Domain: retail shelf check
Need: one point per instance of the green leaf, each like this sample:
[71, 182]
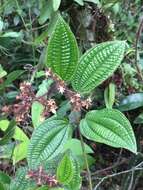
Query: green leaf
[1, 25]
[65, 170]
[12, 34]
[4, 178]
[52, 22]
[40, 74]
[47, 141]
[20, 150]
[2, 72]
[11, 96]
[7, 151]
[94, 1]
[131, 102]
[75, 146]
[111, 127]
[56, 4]
[21, 182]
[64, 107]
[97, 64]
[80, 2]
[62, 51]
[20, 135]
[110, 1]
[4, 124]
[76, 180]
[139, 119]
[68, 172]
[44, 87]
[109, 95]
[81, 160]
[8, 134]
[46, 11]
[2, 187]
[13, 76]
[37, 110]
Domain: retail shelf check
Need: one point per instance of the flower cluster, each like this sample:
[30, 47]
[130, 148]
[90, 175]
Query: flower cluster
[27, 96]
[49, 105]
[75, 99]
[25, 99]
[77, 102]
[21, 109]
[60, 84]
[42, 178]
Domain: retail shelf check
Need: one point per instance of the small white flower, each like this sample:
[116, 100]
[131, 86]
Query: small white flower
[61, 89]
[48, 73]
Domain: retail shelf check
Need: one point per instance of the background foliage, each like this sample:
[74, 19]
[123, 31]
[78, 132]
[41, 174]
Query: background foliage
[25, 28]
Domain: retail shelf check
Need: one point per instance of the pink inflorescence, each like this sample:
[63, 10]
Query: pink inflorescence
[42, 178]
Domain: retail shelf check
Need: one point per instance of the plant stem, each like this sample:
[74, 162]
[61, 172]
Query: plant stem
[33, 47]
[86, 161]
[136, 49]
[32, 37]
[19, 12]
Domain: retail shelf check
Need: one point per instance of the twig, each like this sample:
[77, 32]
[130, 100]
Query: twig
[110, 167]
[86, 161]
[40, 27]
[131, 181]
[136, 168]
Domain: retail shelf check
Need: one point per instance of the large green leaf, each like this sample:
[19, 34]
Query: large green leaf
[109, 126]
[68, 172]
[62, 54]
[75, 183]
[2, 187]
[65, 170]
[97, 64]
[47, 141]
